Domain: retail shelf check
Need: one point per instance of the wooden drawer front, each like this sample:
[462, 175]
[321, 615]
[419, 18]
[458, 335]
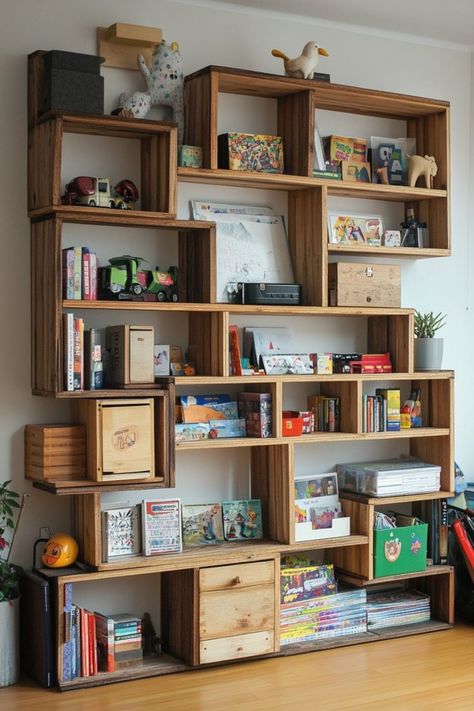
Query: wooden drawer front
[226, 577]
[243, 645]
[225, 613]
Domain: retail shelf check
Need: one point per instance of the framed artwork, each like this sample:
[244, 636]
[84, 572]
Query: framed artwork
[347, 229]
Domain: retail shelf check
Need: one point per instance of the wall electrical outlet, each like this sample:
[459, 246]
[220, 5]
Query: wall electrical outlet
[45, 532]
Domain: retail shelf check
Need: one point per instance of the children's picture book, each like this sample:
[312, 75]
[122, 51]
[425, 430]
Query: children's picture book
[347, 229]
[242, 520]
[161, 522]
[202, 524]
[121, 532]
[313, 486]
[305, 583]
[320, 515]
[298, 364]
[161, 361]
[191, 432]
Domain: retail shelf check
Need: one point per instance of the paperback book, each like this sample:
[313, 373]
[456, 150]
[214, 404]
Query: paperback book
[161, 524]
[121, 532]
[242, 520]
[202, 524]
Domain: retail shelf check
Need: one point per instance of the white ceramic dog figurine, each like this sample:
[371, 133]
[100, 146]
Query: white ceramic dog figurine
[165, 83]
[421, 165]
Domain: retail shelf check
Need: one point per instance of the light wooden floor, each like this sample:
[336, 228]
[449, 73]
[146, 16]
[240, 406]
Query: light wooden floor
[418, 673]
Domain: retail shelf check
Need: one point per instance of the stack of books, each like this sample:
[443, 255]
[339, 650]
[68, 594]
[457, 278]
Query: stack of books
[395, 608]
[381, 412]
[333, 615]
[82, 355]
[79, 274]
[127, 636]
[326, 412]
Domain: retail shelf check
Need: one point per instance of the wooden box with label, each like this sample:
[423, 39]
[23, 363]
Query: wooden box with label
[132, 352]
[120, 438]
[354, 284]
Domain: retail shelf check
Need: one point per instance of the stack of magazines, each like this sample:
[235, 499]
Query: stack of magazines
[391, 477]
[395, 608]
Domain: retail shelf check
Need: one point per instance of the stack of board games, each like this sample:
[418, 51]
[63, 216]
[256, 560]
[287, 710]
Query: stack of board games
[318, 512]
[202, 524]
[391, 477]
[208, 417]
[394, 608]
[312, 609]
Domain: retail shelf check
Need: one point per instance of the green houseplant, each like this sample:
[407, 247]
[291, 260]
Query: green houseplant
[428, 348]
[11, 507]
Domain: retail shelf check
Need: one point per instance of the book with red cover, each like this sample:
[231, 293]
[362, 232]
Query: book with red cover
[465, 546]
[85, 668]
[104, 629]
[234, 346]
[92, 644]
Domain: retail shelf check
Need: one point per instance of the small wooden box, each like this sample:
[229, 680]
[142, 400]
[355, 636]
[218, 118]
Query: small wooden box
[120, 438]
[55, 452]
[132, 354]
[353, 284]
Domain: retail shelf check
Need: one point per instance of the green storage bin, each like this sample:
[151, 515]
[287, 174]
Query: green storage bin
[400, 550]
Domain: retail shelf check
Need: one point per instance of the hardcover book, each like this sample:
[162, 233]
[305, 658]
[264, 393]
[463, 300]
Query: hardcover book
[242, 520]
[202, 524]
[121, 532]
[161, 524]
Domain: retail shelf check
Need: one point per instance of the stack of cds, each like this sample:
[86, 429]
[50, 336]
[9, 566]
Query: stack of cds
[394, 608]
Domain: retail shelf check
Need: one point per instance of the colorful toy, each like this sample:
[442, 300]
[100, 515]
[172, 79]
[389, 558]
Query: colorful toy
[165, 83]
[421, 165]
[123, 279]
[304, 66]
[60, 551]
[96, 192]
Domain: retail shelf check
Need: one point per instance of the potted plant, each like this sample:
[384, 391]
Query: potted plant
[428, 349]
[10, 512]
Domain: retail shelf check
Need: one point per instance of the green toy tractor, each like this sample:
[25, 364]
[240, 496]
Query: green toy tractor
[123, 279]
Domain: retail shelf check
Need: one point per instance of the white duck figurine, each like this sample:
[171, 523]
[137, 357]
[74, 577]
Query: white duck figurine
[302, 67]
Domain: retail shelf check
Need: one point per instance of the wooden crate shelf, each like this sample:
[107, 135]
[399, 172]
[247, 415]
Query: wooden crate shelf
[430, 570]
[396, 253]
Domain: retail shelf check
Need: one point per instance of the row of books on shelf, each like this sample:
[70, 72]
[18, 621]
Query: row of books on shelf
[80, 273]
[164, 526]
[95, 643]
[383, 411]
[314, 606]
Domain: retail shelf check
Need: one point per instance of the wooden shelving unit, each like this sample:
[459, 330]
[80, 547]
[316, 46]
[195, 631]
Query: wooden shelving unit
[242, 578]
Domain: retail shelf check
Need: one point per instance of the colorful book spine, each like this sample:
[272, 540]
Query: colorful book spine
[93, 276]
[234, 347]
[68, 351]
[67, 641]
[86, 274]
[443, 531]
[85, 668]
[92, 649]
[68, 273]
[78, 369]
[77, 273]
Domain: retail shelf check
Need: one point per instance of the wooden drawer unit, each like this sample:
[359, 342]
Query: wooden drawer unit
[222, 612]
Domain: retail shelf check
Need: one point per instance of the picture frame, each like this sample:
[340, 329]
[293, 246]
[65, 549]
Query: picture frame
[355, 229]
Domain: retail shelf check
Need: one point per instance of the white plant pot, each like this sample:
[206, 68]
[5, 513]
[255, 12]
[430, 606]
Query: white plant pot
[9, 641]
[428, 353]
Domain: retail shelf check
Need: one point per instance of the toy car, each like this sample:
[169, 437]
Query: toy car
[123, 279]
[96, 192]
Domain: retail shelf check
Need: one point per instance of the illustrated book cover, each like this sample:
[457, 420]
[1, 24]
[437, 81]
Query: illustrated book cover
[242, 520]
[202, 524]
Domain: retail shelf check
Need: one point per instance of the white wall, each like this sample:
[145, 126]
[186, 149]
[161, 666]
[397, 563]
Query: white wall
[210, 35]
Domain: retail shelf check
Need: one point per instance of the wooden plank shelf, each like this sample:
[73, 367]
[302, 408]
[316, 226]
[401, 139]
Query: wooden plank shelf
[430, 571]
[382, 500]
[151, 666]
[395, 252]
[283, 181]
[407, 630]
[317, 438]
[334, 378]
[238, 308]
[208, 556]
[82, 214]
[87, 486]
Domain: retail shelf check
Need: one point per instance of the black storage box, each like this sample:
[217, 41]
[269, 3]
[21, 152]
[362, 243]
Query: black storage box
[72, 82]
[265, 294]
